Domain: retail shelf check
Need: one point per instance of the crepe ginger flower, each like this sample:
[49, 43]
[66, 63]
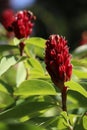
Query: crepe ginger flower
[57, 59]
[22, 25]
[7, 19]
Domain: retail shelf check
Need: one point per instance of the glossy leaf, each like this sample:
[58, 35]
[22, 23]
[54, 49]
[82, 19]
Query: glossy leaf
[35, 69]
[3, 88]
[79, 62]
[35, 64]
[6, 63]
[35, 87]
[20, 126]
[36, 41]
[77, 99]
[35, 47]
[16, 41]
[23, 109]
[9, 77]
[85, 122]
[21, 73]
[7, 48]
[80, 74]
[5, 100]
[76, 87]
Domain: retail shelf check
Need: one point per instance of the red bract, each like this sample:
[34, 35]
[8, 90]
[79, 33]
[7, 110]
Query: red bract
[57, 59]
[7, 18]
[22, 25]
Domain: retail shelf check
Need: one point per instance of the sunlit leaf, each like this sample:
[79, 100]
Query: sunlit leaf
[79, 62]
[36, 41]
[3, 87]
[23, 109]
[80, 74]
[85, 122]
[16, 41]
[35, 64]
[21, 73]
[76, 87]
[35, 87]
[20, 126]
[35, 47]
[6, 63]
[5, 100]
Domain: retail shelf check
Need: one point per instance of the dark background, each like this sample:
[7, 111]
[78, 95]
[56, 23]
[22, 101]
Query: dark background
[64, 17]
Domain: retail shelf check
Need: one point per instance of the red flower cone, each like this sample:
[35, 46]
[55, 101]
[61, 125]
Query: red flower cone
[57, 59]
[23, 24]
[7, 19]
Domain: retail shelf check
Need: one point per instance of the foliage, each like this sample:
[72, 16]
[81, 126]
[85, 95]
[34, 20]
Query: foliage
[28, 98]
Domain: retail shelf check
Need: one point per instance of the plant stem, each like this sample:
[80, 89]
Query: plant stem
[64, 98]
[21, 47]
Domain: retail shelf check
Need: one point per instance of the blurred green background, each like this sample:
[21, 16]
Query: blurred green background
[64, 17]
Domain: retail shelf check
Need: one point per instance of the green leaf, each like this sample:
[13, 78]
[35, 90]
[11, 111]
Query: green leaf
[80, 74]
[85, 122]
[35, 64]
[36, 70]
[19, 126]
[62, 124]
[5, 87]
[2, 88]
[76, 87]
[36, 41]
[35, 47]
[6, 63]
[34, 74]
[7, 48]
[35, 87]
[5, 100]
[16, 41]
[79, 62]
[83, 83]
[69, 118]
[47, 122]
[9, 77]
[24, 109]
[77, 99]
[21, 73]
[39, 52]
[79, 123]
[23, 126]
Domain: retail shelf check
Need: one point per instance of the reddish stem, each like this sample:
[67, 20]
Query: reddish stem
[64, 98]
[21, 47]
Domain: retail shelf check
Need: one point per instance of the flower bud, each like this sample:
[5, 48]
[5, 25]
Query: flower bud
[23, 24]
[57, 59]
